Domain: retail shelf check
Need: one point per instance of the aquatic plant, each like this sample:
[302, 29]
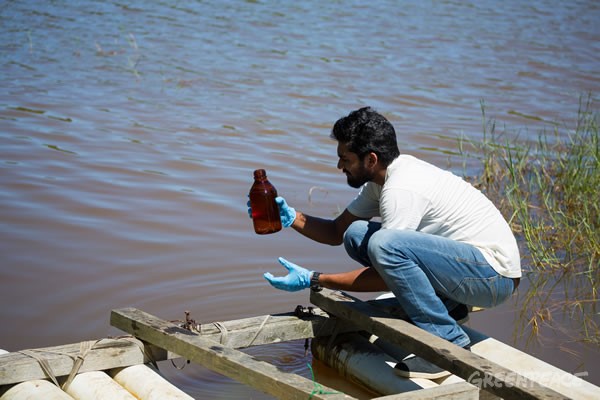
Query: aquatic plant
[549, 191]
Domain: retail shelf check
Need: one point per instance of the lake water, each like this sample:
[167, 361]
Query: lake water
[130, 130]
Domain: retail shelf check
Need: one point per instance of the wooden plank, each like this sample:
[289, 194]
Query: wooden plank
[113, 353]
[267, 329]
[106, 353]
[224, 360]
[454, 391]
[530, 367]
[441, 352]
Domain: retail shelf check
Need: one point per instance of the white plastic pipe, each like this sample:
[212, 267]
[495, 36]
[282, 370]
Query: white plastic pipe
[34, 390]
[97, 385]
[361, 362]
[147, 384]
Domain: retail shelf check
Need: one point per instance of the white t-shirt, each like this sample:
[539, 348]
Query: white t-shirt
[419, 196]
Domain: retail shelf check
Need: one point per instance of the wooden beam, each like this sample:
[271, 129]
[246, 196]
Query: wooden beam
[105, 354]
[224, 360]
[113, 353]
[274, 328]
[453, 391]
[457, 360]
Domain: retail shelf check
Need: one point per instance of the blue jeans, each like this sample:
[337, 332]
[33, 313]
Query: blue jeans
[428, 274]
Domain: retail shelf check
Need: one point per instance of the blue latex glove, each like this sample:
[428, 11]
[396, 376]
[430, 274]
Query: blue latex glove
[298, 278]
[287, 213]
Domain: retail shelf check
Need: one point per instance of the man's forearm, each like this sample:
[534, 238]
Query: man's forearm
[364, 279]
[318, 229]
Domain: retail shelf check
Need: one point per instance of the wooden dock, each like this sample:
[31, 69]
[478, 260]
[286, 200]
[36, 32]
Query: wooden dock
[366, 334]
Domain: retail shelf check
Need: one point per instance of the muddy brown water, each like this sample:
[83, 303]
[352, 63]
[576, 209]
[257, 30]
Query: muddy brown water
[129, 133]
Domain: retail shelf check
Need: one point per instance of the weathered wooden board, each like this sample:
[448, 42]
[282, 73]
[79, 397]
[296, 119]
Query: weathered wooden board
[224, 360]
[530, 367]
[454, 359]
[267, 329]
[106, 353]
[455, 391]
[113, 353]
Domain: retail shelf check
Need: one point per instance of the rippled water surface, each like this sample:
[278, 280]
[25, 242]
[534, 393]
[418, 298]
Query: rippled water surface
[129, 132]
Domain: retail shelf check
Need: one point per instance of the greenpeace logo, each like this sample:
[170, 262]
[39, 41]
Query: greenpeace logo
[512, 379]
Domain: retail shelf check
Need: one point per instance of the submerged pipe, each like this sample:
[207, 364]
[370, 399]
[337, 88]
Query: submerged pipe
[359, 361]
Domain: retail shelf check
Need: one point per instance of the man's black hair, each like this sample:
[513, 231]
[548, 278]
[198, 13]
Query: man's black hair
[365, 131]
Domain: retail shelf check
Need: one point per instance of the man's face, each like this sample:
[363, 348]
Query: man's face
[356, 172]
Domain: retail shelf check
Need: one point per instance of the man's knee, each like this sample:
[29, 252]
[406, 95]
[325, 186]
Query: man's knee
[378, 243]
[356, 239]
[355, 234]
[385, 243]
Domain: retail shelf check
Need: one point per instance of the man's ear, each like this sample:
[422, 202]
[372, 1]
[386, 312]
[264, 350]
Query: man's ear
[371, 160]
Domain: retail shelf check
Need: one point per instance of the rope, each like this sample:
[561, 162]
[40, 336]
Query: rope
[144, 349]
[84, 349]
[259, 330]
[43, 364]
[224, 332]
[317, 387]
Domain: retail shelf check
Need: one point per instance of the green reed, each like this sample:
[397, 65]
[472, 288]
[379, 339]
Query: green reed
[549, 191]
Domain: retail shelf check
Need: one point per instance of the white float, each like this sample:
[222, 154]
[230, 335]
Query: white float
[147, 384]
[97, 385]
[36, 389]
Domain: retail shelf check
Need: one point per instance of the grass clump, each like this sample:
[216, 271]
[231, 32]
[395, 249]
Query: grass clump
[549, 191]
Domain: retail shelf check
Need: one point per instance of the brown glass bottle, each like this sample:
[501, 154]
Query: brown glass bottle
[265, 213]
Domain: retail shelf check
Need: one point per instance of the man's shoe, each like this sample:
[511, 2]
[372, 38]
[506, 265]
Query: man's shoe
[416, 367]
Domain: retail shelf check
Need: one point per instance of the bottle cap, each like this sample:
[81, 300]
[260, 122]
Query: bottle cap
[259, 173]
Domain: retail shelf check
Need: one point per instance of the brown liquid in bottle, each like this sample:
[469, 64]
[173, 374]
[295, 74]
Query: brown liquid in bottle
[265, 213]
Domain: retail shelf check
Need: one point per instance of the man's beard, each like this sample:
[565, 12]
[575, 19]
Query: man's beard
[363, 176]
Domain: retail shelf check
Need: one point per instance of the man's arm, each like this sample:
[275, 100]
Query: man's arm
[322, 230]
[364, 279]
